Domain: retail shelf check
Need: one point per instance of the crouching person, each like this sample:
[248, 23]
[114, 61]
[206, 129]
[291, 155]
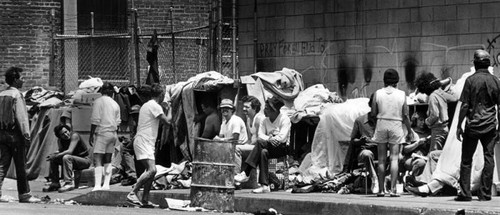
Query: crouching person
[273, 141]
[72, 154]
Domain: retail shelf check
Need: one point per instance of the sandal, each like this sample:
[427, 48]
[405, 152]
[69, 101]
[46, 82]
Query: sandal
[394, 195]
[149, 205]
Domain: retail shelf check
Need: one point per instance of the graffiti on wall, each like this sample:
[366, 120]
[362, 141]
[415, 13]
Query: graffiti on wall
[289, 49]
[493, 52]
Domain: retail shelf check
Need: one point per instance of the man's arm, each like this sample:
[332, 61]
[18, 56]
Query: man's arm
[209, 130]
[95, 119]
[22, 116]
[412, 146]
[464, 108]
[433, 111]
[406, 119]
[74, 141]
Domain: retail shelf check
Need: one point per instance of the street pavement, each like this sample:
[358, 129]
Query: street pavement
[283, 202]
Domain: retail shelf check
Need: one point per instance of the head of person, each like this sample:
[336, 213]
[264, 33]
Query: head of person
[107, 89]
[145, 92]
[13, 77]
[63, 132]
[251, 105]
[208, 105]
[426, 83]
[226, 108]
[370, 103]
[272, 108]
[157, 93]
[391, 77]
[481, 59]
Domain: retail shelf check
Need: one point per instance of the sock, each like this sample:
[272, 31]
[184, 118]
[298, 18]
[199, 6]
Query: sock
[247, 170]
[424, 189]
[107, 175]
[98, 177]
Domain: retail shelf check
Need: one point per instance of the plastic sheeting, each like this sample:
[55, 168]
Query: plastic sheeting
[335, 125]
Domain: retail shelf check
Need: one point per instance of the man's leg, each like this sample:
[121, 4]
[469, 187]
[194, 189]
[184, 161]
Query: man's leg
[469, 145]
[241, 151]
[417, 166]
[19, 154]
[143, 180]
[367, 157]
[128, 163]
[5, 159]
[71, 163]
[433, 159]
[438, 138]
[488, 142]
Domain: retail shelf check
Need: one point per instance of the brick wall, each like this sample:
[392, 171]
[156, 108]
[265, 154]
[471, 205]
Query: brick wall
[352, 42]
[25, 38]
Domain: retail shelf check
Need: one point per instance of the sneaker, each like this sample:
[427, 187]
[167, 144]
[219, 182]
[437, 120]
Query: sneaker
[262, 189]
[67, 187]
[149, 204]
[51, 187]
[132, 199]
[242, 177]
[29, 199]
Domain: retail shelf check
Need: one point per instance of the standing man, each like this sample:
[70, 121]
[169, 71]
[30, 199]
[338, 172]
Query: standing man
[14, 133]
[104, 124]
[251, 109]
[480, 97]
[150, 115]
[272, 142]
[73, 154]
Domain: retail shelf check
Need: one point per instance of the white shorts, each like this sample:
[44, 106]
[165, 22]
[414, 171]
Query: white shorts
[105, 142]
[389, 131]
[144, 149]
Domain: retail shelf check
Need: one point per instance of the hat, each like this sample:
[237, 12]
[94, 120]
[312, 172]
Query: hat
[481, 55]
[226, 103]
[391, 76]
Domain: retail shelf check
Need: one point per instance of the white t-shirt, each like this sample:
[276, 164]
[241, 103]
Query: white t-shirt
[279, 129]
[253, 127]
[147, 127]
[105, 114]
[234, 125]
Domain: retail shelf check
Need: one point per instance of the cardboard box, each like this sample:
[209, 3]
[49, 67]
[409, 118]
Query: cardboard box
[80, 118]
[89, 98]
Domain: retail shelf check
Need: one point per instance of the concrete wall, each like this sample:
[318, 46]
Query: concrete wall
[352, 42]
[25, 38]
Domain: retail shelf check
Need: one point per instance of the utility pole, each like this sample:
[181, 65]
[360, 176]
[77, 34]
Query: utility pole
[173, 40]
[233, 51]
[135, 40]
[52, 48]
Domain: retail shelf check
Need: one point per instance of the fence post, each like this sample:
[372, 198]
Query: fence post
[92, 60]
[233, 51]
[219, 32]
[135, 41]
[173, 41]
[52, 48]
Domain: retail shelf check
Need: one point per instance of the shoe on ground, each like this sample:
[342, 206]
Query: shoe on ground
[51, 187]
[375, 187]
[133, 199]
[461, 198]
[67, 187]
[30, 199]
[417, 192]
[412, 181]
[149, 204]
[242, 177]
[262, 189]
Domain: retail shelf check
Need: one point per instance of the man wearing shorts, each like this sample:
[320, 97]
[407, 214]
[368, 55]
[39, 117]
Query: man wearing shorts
[104, 124]
[150, 115]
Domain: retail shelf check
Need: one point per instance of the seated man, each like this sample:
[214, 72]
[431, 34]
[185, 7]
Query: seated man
[73, 154]
[414, 152]
[251, 109]
[272, 142]
[232, 127]
[212, 120]
[362, 148]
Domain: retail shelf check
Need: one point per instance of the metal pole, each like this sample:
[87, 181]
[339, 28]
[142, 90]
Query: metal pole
[173, 42]
[219, 34]
[255, 36]
[52, 47]
[233, 27]
[92, 62]
[136, 48]
[210, 39]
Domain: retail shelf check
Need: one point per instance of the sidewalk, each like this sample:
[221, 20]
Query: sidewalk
[285, 203]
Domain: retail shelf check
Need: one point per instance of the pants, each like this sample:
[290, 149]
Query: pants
[14, 148]
[69, 163]
[469, 145]
[241, 151]
[127, 163]
[260, 155]
[367, 156]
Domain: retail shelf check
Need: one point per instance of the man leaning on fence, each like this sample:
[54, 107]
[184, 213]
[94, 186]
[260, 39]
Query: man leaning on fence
[273, 141]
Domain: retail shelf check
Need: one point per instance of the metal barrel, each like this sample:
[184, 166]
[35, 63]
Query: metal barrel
[212, 184]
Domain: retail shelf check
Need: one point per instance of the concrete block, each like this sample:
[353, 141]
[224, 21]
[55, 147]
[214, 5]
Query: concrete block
[399, 15]
[448, 40]
[294, 22]
[245, 11]
[306, 34]
[344, 6]
[387, 4]
[445, 12]
[376, 17]
[303, 62]
[342, 33]
[408, 3]
[319, 34]
[314, 21]
[320, 6]
[370, 31]
[275, 23]
[304, 7]
[425, 14]
[339, 19]
[387, 30]
[468, 11]
[432, 2]
[433, 28]
[386, 60]
[484, 25]
[290, 8]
